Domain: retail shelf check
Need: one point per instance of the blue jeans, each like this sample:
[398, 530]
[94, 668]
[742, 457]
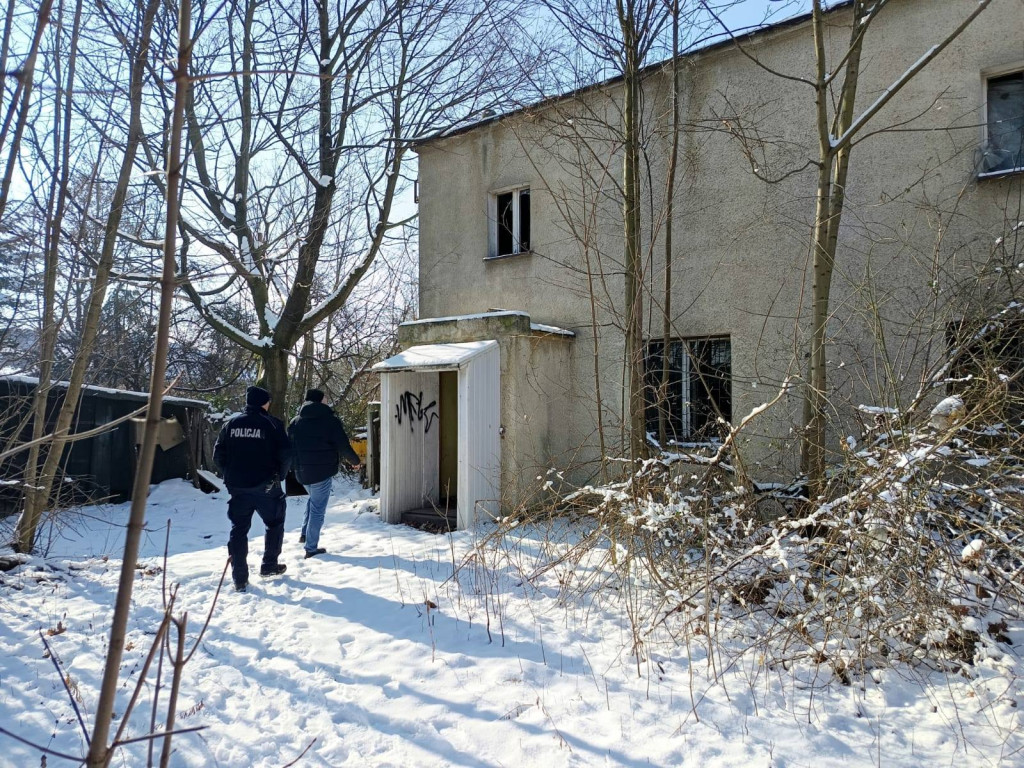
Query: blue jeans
[316, 507]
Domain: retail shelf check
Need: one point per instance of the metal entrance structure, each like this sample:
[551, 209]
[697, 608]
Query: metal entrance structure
[437, 399]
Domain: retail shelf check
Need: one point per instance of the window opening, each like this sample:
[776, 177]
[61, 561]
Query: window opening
[1004, 150]
[699, 387]
[986, 368]
[512, 219]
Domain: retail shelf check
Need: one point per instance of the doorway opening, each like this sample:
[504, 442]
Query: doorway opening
[448, 444]
[440, 446]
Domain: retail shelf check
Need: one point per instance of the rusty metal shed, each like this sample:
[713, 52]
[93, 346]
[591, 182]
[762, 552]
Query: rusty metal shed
[101, 467]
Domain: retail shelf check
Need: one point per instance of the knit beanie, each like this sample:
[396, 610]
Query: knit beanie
[314, 395]
[257, 396]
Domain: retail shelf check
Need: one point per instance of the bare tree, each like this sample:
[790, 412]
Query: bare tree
[837, 131]
[623, 124]
[99, 751]
[34, 503]
[300, 157]
[839, 127]
[670, 193]
[56, 207]
[622, 35]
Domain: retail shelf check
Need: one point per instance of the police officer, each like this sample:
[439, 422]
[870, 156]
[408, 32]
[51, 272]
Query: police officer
[254, 454]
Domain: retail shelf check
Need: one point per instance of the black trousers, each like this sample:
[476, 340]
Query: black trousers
[270, 504]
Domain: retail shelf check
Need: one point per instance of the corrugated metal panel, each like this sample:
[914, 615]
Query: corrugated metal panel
[409, 438]
[479, 439]
[409, 461]
[388, 507]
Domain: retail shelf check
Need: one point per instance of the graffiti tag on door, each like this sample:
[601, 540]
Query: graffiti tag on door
[410, 406]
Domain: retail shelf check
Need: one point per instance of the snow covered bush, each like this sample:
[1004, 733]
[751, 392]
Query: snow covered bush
[915, 558]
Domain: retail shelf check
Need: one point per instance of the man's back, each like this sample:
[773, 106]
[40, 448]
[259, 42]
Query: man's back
[318, 438]
[252, 449]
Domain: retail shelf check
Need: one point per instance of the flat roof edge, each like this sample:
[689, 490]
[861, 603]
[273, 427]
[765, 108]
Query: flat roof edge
[435, 357]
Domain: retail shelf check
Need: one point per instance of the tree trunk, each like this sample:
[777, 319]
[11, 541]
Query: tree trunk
[821, 283]
[29, 520]
[831, 196]
[631, 224]
[670, 190]
[177, 666]
[305, 374]
[99, 751]
[275, 379]
[22, 94]
[596, 331]
[835, 144]
[49, 325]
[5, 43]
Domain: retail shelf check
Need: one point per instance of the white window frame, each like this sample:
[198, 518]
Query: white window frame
[492, 220]
[986, 75]
[687, 396]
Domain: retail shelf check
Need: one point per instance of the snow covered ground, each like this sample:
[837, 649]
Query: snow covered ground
[374, 655]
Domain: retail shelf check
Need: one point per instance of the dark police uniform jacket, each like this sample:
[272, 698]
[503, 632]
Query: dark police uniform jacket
[252, 449]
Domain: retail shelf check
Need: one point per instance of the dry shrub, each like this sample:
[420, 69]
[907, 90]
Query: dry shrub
[915, 558]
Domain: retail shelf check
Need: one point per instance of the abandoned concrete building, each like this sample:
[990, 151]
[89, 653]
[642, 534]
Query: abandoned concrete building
[515, 367]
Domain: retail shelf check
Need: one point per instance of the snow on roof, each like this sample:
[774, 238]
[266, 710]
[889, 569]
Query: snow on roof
[435, 356]
[123, 394]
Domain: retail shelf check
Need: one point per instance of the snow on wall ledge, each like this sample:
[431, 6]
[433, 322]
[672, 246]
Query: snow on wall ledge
[539, 328]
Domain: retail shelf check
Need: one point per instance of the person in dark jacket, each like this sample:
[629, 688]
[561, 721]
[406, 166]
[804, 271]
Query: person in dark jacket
[254, 453]
[319, 440]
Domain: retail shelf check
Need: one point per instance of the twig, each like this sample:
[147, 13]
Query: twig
[157, 686]
[152, 736]
[153, 650]
[26, 742]
[63, 679]
[302, 754]
[209, 614]
[163, 575]
[177, 665]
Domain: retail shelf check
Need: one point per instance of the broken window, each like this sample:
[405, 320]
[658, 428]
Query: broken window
[511, 222]
[987, 367]
[1004, 150]
[699, 387]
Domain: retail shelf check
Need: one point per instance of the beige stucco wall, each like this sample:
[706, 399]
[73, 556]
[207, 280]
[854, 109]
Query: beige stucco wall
[536, 397]
[917, 218]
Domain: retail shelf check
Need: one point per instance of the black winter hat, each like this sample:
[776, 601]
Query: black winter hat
[314, 395]
[257, 396]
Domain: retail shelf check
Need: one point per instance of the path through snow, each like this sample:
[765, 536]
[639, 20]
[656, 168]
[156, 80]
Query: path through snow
[348, 650]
